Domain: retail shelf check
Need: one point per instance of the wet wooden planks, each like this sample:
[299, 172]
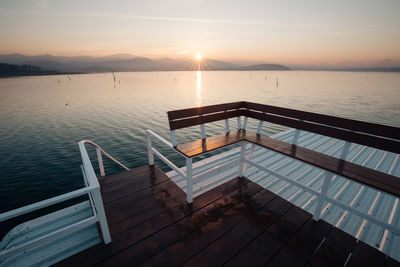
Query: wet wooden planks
[237, 223]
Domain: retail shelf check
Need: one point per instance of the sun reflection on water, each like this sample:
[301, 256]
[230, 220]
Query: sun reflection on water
[198, 92]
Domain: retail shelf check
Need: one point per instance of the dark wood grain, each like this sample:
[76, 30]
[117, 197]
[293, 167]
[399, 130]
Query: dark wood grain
[349, 124]
[334, 250]
[235, 219]
[200, 146]
[353, 137]
[364, 133]
[178, 124]
[191, 112]
[365, 255]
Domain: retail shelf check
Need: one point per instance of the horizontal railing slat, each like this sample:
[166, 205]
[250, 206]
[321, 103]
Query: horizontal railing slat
[45, 203]
[191, 112]
[349, 124]
[178, 124]
[359, 138]
[196, 116]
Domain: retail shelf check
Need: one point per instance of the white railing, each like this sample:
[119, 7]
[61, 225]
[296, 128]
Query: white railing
[189, 162]
[245, 160]
[100, 152]
[321, 195]
[92, 189]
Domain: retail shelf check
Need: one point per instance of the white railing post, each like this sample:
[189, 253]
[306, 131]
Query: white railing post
[345, 150]
[203, 131]
[189, 182]
[322, 195]
[239, 123]
[245, 123]
[100, 160]
[173, 139]
[149, 150]
[296, 136]
[253, 146]
[241, 159]
[227, 125]
[260, 125]
[102, 215]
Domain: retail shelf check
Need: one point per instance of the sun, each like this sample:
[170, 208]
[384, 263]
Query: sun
[199, 57]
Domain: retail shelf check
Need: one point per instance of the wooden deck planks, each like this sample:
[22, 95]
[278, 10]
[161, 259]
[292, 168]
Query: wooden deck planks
[236, 223]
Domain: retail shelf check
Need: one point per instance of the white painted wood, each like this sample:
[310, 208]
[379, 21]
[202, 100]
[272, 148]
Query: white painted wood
[260, 125]
[160, 138]
[87, 164]
[100, 160]
[149, 151]
[168, 162]
[227, 129]
[322, 196]
[90, 195]
[245, 123]
[47, 238]
[239, 123]
[253, 146]
[83, 150]
[295, 136]
[241, 159]
[189, 186]
[45, 203]
[203, 131]
[101, 215]
[173, 139]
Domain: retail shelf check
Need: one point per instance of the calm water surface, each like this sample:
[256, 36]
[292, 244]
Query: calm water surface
[43, 118]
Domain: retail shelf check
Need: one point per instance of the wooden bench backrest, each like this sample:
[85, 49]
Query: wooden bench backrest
[364, 133]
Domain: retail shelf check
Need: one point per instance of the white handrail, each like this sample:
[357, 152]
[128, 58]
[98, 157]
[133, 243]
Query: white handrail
[187, 176]
[90, 175]
[160, 138]
[168, 162]
[98, 148]
[166, 142]
[44, 203]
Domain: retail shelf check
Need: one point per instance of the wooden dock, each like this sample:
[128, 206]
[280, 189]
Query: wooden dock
[236, 224]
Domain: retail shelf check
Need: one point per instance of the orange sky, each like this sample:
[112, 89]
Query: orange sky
[288, 32]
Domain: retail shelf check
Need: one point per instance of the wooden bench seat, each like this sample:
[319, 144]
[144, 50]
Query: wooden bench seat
[351, 131]
[201, 146]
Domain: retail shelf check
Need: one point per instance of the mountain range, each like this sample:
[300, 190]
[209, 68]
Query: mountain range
[129, 62]
[126, 62]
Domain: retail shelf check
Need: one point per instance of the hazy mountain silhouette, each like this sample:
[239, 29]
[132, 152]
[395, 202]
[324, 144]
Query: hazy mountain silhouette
[125, 62]
[129, 62]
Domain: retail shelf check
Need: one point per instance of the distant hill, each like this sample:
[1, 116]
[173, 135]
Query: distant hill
[126, 62]
[10, 70]
[264, 67]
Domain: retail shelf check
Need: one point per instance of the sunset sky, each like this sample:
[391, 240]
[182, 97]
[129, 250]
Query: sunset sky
[291, 32]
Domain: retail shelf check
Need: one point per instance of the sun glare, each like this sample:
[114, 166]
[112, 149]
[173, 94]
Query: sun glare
[198, 57]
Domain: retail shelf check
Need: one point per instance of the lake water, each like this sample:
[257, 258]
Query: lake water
[43, 118]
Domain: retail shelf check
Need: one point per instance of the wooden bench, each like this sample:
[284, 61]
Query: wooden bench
[352, 131]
